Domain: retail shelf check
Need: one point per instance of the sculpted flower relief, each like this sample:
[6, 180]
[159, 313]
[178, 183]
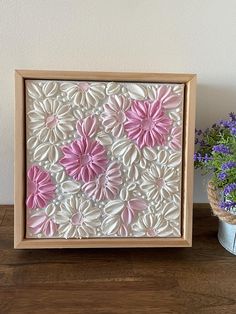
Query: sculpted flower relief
[103, 159]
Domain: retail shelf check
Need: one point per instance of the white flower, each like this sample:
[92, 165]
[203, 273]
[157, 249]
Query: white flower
[113, 116]
[147, 225]
[126, 150]
[84, 94]
[149, 153]
[161, 224]
[113, 88]
[160, 182]
[46, 152]
[106, 185]
[172, 160]
[50, 120]
[136, 91]
[36, 90]
[120, 214]
[77, 218]
[104, 138]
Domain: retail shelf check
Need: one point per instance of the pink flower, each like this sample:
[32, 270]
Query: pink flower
[84, 159]
[43, 222]
[176, 138]
[87, 127]
[147, 123]
[131, 210]
[41, 189]
[167, 98]
[106, 186]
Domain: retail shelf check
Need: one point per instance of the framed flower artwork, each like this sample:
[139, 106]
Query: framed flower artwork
[103, 159]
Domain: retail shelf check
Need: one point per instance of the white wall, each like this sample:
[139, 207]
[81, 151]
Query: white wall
[118, 35]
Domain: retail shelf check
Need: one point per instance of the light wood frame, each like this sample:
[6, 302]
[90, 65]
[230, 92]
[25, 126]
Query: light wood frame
[20, 242]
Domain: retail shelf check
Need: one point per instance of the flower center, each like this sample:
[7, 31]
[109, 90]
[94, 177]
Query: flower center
[51, 121]
[160, 182]
[32, 187]
[120, 117]
[83, 86]
[85, 159]
[151, 232]
[77, 219]
[147, 124]
[102, 180]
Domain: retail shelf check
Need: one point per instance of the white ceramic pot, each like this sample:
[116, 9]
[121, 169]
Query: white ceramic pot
[227, 236]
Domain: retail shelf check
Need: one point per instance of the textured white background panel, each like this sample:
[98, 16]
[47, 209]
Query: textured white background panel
[103, 159]
[109, 35]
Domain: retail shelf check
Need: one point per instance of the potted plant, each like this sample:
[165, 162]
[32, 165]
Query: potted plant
[216, 155]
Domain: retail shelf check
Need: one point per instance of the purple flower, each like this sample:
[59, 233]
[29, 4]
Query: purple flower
[229, 188]
[230, 124]
[228, 165]
[227, 205]
[232, 116]
[207, 158]
[222, 176]
[233, 131]
[197, 157]
[221, 148]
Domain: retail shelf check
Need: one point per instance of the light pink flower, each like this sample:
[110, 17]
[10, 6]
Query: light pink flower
[87, 127]
[43, 221]
[84, 159]
[176, 138]
[113, 116]
[131, 210]
[147, 123]
[120, 215]
[167, 98]
[106, 186]
[41, 189]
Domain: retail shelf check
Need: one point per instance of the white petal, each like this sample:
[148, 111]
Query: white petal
[53, 154]
[113, 88]
[41, 152]
[162, 156]
[124, 194]
[110, 225]
[70, 187]
[136, 91]
[50, 88]
[104, 138]
[133, 172]
[113, 207]
[149, 153]
[32, 142]
[34, 91]
[174, 160]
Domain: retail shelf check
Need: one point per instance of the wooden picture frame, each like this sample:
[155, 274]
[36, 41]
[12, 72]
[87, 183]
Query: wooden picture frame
[184, 240]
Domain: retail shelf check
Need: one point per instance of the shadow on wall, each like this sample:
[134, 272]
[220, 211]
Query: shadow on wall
[214, 102]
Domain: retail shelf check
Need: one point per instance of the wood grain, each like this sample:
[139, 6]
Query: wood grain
[197, 280]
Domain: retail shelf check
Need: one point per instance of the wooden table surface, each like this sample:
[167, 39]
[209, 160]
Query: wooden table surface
[201, 279]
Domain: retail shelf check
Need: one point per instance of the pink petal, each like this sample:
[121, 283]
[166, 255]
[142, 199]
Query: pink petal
[127, 216]
[163, 91]
[49, 228]
[36, 221]
[171, 102]
[137, 204]
[30, 202]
